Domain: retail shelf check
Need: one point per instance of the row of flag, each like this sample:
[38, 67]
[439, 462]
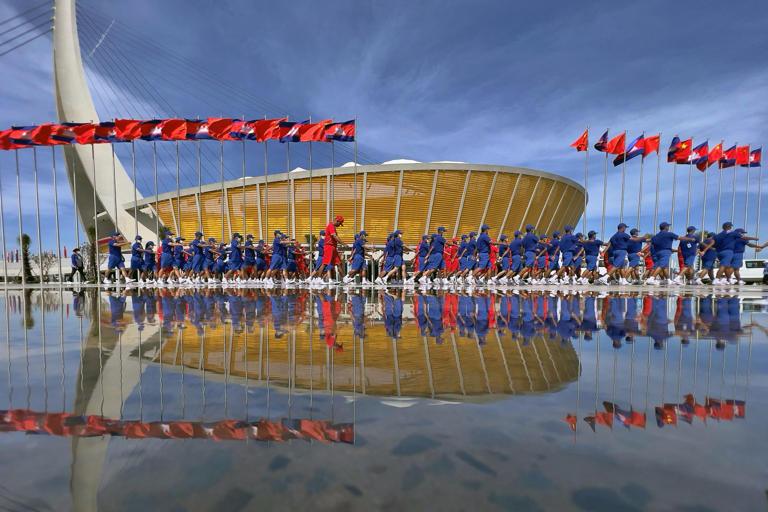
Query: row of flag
[667, 414]
[213, 128]
[679, 152]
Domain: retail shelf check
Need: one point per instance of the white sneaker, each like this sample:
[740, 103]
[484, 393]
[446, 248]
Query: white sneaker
[603, 280]
[106, 281]
[698, 281]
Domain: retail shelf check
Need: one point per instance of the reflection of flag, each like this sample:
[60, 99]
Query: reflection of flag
[590, 420]
[637, 419]
[666, 415]
[602, 142]
[571, 419]
[604, 418]
[740, 407]
[582, 143]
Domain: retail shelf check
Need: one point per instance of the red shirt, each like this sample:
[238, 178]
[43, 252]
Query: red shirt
[330, 230]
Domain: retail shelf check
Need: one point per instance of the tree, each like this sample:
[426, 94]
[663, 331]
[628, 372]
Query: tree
[26, 268]
[44, 265]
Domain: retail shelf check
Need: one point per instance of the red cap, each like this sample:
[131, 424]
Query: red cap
[340, 219]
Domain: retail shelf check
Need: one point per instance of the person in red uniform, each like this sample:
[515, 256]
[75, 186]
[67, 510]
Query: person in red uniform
[452, 257]
[331, 258]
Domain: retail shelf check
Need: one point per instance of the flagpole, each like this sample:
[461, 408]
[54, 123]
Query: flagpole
[759, 197]
[198, 164]
[135, 198]
[605, 193]
[674, 193]
[355, 178]
[333, 179]
[178, 192]
[310, 244]
[266, 192]
[704, 205]
[157, 197]
[2, 234]
[21, 228]
[114, 188]
[719, 185]
[688, 205]
[74, 195]
[97, 256]
[245, 220]
[746, 194]
[586, 178]
[640, 188]
[733, 183]
[658, 178]
[37, 211]
[623, 175]
[56, 211]
[221, 177]
[288, 187]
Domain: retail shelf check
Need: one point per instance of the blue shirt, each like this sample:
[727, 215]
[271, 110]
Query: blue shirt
[196, 249]
[471, 247]
[114, 249]
[620, 240]
[502, 250]
[178, 252]
[358, 248]
[278, 249]
[567, 242]
[554, 244]
[136, 250]
[165, 245]
[483, 243]
[663, 240]
[397, 247]
[248, 251]
[76, 259]
[149, 256]
[725, 240]
[688, 247]
[259, 251]
[529, 242]
[592, 247]
[711, 253]
[739, 244]
[514, 246]
[234, 252]
[207, 254]
[634, 246]
[438, 244]
[424, 248]
[320, 247]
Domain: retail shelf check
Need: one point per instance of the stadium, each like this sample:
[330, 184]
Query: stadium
[407, 195]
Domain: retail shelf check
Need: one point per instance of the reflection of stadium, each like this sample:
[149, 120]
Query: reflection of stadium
[458, 365]
[414, 197]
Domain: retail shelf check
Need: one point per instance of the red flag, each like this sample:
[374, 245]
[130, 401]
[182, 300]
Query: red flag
[715, 154]
[637, 419]
[616, 145]
[742, 155]
[221, 128]
[651, 145]
[262, 129]
[570, 419]
[127, 129]
[683, 152]
[5, 140]
[314, 132]
[604, 418]
[85, 133]
[582, 143]
[174, 129]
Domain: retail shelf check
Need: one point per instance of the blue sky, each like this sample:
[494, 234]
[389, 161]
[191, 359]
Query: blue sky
[485, 82]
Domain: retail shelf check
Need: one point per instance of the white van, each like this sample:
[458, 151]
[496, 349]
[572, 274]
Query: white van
[752, 270]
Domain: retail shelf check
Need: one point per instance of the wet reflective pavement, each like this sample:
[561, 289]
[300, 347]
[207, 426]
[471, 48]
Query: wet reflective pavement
[372, 399]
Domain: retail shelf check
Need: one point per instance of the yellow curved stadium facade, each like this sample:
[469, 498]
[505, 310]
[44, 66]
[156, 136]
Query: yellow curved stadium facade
[413, 197]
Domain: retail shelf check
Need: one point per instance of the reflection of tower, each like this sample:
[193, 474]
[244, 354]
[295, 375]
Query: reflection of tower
[74, 104]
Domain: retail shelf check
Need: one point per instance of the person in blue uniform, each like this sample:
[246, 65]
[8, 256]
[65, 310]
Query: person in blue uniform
[741, 243]
[687, 250]
[317, 269]
[221, 261]
[358, 266]
[708, 255]
[591, 248]
[483, 249]
[261, 259]
[209, 254]
[634, 255]
[197, 247]
[567, 242]
[116, 261]
[137, 261]
[530, 241]
[290, 258]
[504, 260]
[662, 249]
[249, 257]
[435, 262]
[235, 261]
[724, 244]
[516, 256]
[421, 257]
[149, 262]
[619, 245]
[553, 257]
[387, 259]
[76, 259]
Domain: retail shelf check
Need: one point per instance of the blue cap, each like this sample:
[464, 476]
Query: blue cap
[261, 241]
[322, 232]
[363, 233]
[150, 243]
[529, 227]
[463, 237]
[592, 233]
[211, 239]
[397, 232]
[472, 233]
[249, 235]
[633, 231]
[440, 229]
[179, 239]
[543, 235]
[276, 232]
[503, 237]
[579, 235]
[739, 230]
[691, 228]
[664, 225]
[517, 232]
[424, 237]
[485, 227]
[138, 237]
[727, 225]
[568, 228]
[283, 235]
[622, 225]
[197, 233]
[555, 233]
[115, 233]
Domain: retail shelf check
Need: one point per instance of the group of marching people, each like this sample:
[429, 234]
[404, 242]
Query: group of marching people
[474, 259]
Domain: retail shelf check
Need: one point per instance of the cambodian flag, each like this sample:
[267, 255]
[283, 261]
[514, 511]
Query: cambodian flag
[152, 129]
[105, 132]
[700, 155]
[343, 132]
[289, 131]
[22, 136]
[634, 149]
[674, 147]
[200, 131]
[755, 157]
[602, 142]
[729, 157]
